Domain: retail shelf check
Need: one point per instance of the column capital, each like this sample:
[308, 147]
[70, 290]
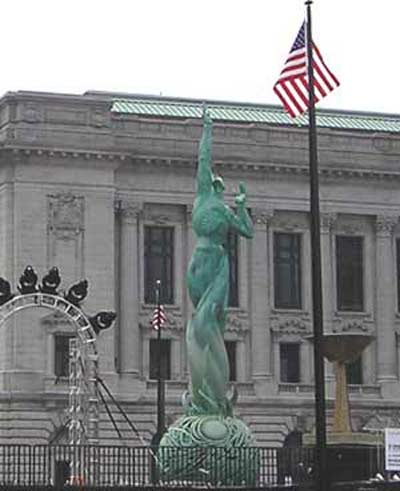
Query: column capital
[262, 216]
[385, 223]
[189, 212]
[130, 211]
[328, 220]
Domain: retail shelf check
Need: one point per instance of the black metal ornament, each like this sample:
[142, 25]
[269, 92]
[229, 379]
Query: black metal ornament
[5, 291]
[50, 282]
[49, 285]
[27, 281]
[102, 320]
[77, 293]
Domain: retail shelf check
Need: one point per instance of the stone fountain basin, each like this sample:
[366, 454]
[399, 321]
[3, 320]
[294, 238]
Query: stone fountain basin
[344, 347]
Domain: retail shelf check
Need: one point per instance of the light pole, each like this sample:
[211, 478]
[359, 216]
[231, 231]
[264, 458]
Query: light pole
[156, 323]
[160, 377]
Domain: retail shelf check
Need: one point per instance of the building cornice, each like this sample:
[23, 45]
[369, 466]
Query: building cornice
[64, 153]
[272, 168]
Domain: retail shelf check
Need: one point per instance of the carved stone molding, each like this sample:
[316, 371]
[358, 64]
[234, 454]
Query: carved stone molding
[361, 325]
[261, 217]
[158, 218]
[291, 325]
[32, 113]
[397, 330]
[130, 211]
[381, 420]
[385, 224]
[57, 322]
[65, 215]
[164, 213]
[352, 228]
[328, 220]
[237, 321]
[99, 118]
[291, 221]
[383, 144]
[51, 153]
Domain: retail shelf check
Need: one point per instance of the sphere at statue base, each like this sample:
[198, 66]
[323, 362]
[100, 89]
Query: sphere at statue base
[212, 449]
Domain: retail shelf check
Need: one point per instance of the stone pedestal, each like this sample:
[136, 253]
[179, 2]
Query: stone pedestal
[351, 456]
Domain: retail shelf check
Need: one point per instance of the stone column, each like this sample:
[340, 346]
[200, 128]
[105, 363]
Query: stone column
[176, 358]
[241, 360]
[328, 220]
[385, 288]
[179, 264]
[260, 303]
[129, 292]
[188, 307]
[328, 292]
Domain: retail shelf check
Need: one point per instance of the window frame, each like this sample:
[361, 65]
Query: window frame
[299, 371]
[355, 368]
[168, 293]
[232, 360]
[153, 369]
[61, 335]
[299, 303]
[340, 304]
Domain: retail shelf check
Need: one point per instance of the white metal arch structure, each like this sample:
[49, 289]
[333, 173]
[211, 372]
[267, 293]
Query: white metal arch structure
[84, 359]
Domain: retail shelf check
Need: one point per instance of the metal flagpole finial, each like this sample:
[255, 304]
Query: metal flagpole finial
[158, 288]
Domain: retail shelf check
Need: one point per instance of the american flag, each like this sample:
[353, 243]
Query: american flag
[159, 318]
[292, 85]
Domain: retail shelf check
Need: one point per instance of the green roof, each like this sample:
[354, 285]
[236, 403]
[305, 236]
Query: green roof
[252, 113]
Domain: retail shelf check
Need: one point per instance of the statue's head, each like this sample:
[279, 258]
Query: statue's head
[218, 185]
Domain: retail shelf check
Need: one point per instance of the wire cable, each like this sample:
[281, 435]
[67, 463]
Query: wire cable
[110, 415]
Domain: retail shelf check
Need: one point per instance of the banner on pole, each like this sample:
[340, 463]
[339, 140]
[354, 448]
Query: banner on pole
[392, 449]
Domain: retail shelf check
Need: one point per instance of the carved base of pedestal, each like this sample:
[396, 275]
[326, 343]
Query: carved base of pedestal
[208, 449]
[341, 438]
[351, 456]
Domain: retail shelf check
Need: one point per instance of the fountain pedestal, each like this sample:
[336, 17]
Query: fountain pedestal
[350, 454]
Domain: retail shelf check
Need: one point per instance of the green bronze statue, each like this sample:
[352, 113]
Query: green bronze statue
[208, 284]
[209, 422]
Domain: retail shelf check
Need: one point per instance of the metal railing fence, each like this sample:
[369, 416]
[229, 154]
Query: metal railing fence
[47, 465]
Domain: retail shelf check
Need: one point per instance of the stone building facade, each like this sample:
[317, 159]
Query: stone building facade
[102, 185]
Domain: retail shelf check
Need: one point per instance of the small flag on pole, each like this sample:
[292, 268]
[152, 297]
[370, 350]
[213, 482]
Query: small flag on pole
[292, 84]
[159, 318]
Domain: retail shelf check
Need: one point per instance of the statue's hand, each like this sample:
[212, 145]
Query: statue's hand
[241, 197]
[207, 121]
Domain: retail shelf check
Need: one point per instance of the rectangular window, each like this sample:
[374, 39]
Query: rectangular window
[159, 263]
[349, 273]
[61, 354]
[164, 357]
[231, 352]
[354, 373]
[287, 270]
[232, 247]
[290, 363]
[398, 272]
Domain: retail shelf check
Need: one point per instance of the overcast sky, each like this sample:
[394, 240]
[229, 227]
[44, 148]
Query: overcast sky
[210, 49]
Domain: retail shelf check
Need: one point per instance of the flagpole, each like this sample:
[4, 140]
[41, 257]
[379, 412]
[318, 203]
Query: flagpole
[321, 477]
[160, 378]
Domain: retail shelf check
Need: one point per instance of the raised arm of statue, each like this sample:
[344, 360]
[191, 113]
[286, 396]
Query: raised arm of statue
[204, 173]
[241, 222]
